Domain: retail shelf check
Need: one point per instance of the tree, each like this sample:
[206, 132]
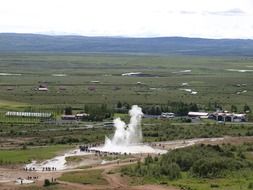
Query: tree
[119, 104]
[158, 111]
[148, 160]
[68, 110]
[217, 106]
[126, 105]
[171, 170]
[246, 109]
[233, 108]
[46, 182]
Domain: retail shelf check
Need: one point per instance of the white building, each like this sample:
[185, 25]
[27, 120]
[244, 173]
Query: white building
[229, 117]
[203, 115]
[28, 114]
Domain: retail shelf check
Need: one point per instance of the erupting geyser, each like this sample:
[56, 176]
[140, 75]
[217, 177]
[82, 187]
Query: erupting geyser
[128, 138]
[127, 134]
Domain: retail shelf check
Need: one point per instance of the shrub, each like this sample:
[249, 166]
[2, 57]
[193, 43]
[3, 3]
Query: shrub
[47, 183]
[250, 186]
[214, 185]
[172, 171]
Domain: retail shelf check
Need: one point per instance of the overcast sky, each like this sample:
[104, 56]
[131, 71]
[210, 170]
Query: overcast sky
[138, 18]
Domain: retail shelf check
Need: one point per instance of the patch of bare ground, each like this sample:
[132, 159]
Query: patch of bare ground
[7, 143]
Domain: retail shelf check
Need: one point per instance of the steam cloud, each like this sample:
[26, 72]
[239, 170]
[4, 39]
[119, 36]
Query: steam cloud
[128, 138]
[127, 134]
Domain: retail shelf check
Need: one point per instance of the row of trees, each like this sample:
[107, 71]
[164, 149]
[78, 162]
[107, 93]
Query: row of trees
[214, 106]
[95, 112]
[179, 108]
[246, 109]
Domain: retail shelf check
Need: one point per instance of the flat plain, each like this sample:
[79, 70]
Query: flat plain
[79, 79]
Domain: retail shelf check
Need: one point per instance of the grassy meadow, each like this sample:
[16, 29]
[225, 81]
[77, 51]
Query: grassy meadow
[93, 177]
[70, 79]
[208, 77]
[21, 156]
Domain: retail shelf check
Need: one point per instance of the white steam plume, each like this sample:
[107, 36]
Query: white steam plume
[128, 134]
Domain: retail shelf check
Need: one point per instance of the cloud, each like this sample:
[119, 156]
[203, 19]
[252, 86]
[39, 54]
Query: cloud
[188, 12]
[230, 12]
[144, 18]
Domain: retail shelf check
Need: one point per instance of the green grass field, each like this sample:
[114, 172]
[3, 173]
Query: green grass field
[239, 181]
[208, 77]
[93, 177]
[18, 156]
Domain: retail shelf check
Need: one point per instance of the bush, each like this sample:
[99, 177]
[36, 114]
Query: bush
[204, 161]
[172, 171]
[47, 183]
[209, 168]
[214, 185]
[250, 186]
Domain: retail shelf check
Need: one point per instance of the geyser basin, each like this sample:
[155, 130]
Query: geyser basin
[133, 149]
[58, 162]
[128, 138]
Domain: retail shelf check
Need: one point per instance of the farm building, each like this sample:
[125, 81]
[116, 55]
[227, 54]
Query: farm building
[228, 117]
[78, 116]
[198, 114]
[28, 114]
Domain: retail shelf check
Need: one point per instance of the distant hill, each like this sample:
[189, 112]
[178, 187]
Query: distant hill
[11, 42]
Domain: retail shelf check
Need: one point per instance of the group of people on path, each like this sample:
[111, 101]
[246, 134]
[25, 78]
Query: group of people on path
[43, 169]
[49, 169]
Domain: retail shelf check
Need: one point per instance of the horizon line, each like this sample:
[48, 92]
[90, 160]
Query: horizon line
[122, 36]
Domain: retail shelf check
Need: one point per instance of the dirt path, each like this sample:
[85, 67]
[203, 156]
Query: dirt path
[115, 180]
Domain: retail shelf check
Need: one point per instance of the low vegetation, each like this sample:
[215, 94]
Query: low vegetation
[203, 164]
[85, 177]
[26, 155]
[164, 130]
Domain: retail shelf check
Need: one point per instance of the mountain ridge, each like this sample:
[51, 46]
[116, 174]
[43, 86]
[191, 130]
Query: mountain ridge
[14, 42]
